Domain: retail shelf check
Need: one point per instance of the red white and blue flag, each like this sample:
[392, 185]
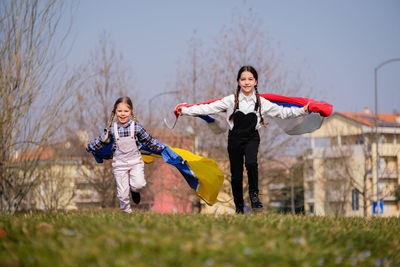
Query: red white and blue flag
[318, 110]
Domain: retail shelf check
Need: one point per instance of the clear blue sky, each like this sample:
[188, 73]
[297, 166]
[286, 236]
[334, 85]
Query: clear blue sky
[336, 43]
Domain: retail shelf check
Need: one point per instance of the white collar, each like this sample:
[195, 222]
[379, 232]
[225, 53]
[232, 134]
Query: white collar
[252, 97]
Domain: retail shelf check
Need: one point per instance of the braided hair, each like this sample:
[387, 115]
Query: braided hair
[126, 100]
[259, 107]
[236, 102]
[255, 74]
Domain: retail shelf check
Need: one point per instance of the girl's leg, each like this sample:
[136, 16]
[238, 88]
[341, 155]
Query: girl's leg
[236, 164]
[136, 177]
[122, 180]
[251, 151]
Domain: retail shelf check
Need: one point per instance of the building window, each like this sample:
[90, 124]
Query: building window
[276, 186]
[310, 171]
[354, 199]
[322, 142]
[311, 208]
[359, 141]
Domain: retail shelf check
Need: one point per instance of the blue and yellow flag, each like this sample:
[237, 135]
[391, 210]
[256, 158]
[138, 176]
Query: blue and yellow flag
[202, 174]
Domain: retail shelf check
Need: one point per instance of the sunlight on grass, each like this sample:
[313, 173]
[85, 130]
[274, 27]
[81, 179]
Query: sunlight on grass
[110, 237]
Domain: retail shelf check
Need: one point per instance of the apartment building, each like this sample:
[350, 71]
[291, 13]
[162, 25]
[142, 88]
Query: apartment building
[347, 169]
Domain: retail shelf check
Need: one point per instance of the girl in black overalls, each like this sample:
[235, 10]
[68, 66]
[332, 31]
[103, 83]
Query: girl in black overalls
[245, 110]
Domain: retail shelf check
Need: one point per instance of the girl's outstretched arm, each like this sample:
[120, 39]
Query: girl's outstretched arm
[97, 144]
[207, 109]
[145, 138]
[273, 110]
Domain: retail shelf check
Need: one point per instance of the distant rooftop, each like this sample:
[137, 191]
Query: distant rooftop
[368, 118]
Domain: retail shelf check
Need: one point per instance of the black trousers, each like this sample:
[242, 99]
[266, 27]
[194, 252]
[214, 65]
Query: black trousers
[243, 150]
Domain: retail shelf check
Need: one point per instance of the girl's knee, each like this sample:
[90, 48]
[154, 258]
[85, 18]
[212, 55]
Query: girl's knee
[138, 185]
[251, 165]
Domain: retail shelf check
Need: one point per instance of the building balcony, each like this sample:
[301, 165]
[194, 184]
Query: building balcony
[388, 174]
[309, 178]
[389, 198]
[87, 200]
[384, 175]
[276, 186]
[337, 151]
[86, 196]
[309, 195]
[389, 150]
[275, 204]
[309, 200]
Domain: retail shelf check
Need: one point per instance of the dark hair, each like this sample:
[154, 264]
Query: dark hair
[125, 100]
[249, 69]
[255, 74]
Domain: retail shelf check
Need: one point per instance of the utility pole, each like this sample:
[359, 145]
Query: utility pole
[291, 192]
[376, 128]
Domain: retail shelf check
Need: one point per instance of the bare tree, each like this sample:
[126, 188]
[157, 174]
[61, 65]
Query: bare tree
[336, 186]
[101, 178]
[33, 90]
[212, 74]
[107, 77]
[343, 173]
[285, 184]
[56, 188]
[397, 196]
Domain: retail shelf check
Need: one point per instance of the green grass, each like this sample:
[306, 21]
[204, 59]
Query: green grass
[113, 238]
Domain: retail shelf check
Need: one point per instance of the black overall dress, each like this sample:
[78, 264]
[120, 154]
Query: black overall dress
[243, 142]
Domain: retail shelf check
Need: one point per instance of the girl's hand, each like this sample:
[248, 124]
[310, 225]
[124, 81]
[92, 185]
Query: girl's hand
[306, 107]
[178, 109]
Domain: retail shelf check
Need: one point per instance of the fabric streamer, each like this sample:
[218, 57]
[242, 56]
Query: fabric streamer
[318, 110]
[103, 153]
[201, 174]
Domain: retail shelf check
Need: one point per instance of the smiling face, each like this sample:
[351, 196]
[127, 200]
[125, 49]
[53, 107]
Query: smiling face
[123, 113]
[247, 83]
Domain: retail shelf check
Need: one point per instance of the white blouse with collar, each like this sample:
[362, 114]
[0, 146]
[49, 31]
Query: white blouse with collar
[246, 105]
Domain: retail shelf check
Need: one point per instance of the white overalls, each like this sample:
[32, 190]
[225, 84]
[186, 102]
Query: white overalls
[128, 167]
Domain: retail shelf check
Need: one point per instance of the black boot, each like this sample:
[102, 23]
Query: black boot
[256, 204]
[135, 197]
[239, 210]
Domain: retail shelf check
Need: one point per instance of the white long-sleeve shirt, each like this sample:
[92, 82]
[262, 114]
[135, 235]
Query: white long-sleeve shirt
[246, 105]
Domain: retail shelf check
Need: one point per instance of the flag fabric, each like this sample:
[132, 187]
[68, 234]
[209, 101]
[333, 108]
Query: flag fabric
[201, 174]
[318, 110]
[103, 153]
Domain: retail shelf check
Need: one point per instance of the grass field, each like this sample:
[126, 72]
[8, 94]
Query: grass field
[112, 238]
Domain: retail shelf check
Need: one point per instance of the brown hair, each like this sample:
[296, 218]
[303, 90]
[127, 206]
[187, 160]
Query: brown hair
[125, 100]
[255, 74]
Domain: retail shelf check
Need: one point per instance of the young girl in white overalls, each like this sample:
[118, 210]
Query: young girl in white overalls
[127, 136]
[245, 110]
